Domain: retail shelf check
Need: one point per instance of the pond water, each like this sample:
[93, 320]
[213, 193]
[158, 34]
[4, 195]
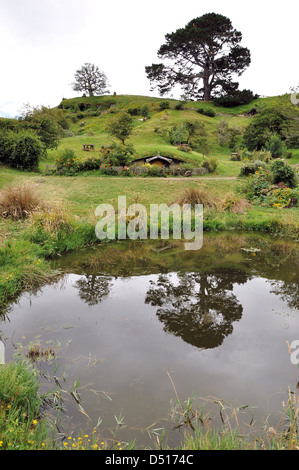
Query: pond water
[140, 323]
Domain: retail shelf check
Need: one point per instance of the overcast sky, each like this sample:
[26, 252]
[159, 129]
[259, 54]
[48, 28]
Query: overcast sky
[44, 42]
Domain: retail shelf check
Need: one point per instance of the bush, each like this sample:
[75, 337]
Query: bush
[210, 164]
[178, 134]
[154, 170]
[117, 155]
[283, 172]
[6, 146]
[26, 151]
[282, 197]
[276, 146]
[236, 98]
[206, 112]
[67, 162]
[252, 167]
[258, 183]
[163, 105]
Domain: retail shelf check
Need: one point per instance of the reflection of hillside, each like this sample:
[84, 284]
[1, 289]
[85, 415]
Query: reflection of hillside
[200, 308]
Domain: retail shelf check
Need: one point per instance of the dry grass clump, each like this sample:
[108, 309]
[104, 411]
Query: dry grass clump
[196, 196]
[235, 204]
[17, 202]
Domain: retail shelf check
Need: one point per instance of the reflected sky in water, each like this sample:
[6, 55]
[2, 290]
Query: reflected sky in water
[221, 331]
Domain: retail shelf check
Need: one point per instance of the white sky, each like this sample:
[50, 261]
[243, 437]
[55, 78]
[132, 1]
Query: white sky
[43, 43]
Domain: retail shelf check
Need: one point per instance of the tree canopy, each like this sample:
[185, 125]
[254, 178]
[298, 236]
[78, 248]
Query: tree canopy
[202, 58]
[90, 79]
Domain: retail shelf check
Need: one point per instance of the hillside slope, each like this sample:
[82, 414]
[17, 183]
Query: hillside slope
[88, 117]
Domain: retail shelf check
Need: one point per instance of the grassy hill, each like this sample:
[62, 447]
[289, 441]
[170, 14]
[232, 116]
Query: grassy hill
[88, 117]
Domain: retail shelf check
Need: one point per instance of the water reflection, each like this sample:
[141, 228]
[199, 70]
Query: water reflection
[200, 308]
[93, 288]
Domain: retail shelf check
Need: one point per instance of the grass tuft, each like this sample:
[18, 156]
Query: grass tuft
[18, 202]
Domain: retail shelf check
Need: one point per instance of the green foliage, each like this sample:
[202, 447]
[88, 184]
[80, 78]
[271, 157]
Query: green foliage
[48, 124]
[227, 134]
[153, 170]
[276, 146]
[117, 155]
[236, 98]
[251, 168]
[282, 197]
[178, 134]
[22, 150]
[67, 162]
[120, 126]
[164, 105]
[210, 164]
[258, 181]
[207, 112]
[258, 133]
[283, 172]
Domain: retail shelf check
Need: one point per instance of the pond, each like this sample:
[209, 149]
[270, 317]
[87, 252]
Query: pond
[138, 324]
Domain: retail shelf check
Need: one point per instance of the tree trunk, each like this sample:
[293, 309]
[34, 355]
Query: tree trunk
[206, 85]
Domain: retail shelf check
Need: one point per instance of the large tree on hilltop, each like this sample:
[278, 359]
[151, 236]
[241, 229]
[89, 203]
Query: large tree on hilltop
[90, 79]
[202, 58]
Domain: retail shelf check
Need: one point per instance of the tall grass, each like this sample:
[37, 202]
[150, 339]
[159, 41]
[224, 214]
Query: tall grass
[17, 202]
[21, 426]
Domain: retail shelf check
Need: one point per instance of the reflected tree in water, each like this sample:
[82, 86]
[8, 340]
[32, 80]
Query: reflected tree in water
[93, 288]
[288, 291]
[200, 308]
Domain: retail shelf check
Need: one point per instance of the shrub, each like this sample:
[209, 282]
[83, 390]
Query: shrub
[92, 162]
[262, 127]
[206, 112]
[67, 162]
[252, 167]
[283, 172]
[22, 150]
[210, 164]
[235, 98]
[18, 202]
[282, 197]
[153, 170]
[117, 155]
[178, 134]
[276, 146]
[163, 105]
[134, 111]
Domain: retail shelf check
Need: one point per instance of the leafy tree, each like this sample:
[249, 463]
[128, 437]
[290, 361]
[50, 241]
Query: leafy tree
[283, 172]
[90, 79]
[116, 154]
[120, 126]
[276, 146]
[202, 57]
[270, 121]
[48, 124]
